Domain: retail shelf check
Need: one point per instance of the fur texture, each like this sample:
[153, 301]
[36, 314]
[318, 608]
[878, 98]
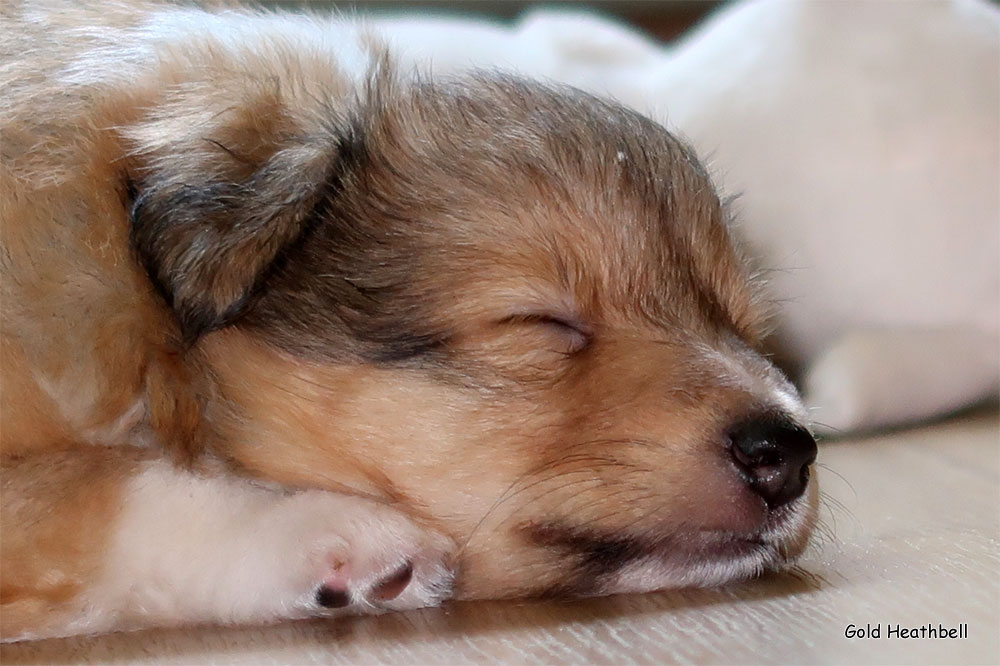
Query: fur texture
[287, 331]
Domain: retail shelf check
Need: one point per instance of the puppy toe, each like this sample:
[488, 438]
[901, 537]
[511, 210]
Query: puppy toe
[339, 589]
[393, 585]
[365, 557]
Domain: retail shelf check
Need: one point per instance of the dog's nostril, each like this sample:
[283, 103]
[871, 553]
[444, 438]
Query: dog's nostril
[774, 455]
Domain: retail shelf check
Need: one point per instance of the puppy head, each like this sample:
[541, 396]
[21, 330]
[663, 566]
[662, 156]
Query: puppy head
[516, 311]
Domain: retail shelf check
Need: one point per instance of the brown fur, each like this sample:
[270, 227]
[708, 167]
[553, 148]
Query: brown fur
[485, 300]
[56, 499]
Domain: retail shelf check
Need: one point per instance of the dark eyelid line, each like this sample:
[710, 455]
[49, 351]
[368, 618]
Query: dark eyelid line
[578, 331]
[547, 318]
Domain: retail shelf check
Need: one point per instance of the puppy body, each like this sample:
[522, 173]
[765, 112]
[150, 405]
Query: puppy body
[284, 333]
[93, 360]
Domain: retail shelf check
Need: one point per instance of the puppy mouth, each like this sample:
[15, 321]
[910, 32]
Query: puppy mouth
[612, 563]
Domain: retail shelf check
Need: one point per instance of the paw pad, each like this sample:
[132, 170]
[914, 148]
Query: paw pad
[327, 597]
[336, 591]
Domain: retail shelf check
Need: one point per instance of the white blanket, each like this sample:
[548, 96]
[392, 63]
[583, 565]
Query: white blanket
[863, 139]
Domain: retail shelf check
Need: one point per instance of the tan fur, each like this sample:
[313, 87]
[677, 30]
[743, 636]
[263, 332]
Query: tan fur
[348, 428]
[469, 301]
[66, 503]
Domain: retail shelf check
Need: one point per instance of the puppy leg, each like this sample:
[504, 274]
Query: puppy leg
[190, 548]
[56, 510]
[184, 548]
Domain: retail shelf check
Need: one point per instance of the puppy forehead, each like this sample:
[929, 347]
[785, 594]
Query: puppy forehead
[557, 186]
[456, 201]
[558, 163]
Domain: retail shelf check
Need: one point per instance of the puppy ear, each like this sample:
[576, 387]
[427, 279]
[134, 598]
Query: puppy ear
[223, 193]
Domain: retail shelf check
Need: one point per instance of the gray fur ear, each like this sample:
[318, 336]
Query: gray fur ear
[215, 208]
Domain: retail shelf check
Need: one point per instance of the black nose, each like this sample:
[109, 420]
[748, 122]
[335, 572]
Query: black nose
[774, 456]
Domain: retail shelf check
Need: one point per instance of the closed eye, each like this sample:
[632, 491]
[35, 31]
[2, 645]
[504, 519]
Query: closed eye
[575, 333]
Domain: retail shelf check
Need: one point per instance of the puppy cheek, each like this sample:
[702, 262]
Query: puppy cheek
[395, 434]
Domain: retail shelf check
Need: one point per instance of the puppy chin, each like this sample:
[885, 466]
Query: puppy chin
[710, 559]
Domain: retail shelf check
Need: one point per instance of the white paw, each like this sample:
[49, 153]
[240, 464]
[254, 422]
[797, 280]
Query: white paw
[342, 552]
[190, 548]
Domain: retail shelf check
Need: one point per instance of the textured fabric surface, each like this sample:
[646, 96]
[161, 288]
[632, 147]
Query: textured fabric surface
[916, 517]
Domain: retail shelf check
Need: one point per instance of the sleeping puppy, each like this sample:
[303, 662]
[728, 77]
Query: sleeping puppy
[286, 331]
